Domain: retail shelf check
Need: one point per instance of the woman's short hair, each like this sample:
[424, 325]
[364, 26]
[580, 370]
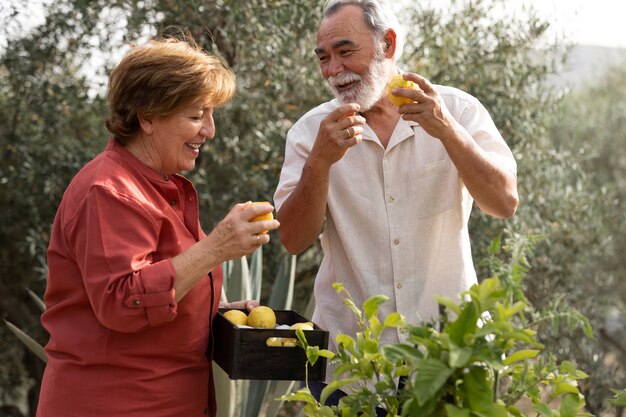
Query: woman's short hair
[378, 16]
[161, 77]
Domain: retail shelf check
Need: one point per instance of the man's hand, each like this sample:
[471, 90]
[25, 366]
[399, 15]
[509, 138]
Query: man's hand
[428, 109]
[340, 130]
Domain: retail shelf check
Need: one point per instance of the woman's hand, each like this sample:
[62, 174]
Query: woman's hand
[247, 304]
[236, 235]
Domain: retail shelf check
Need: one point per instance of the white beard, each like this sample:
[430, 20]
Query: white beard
[370, 88]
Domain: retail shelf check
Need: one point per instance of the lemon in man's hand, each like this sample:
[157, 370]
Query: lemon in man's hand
[399, 82]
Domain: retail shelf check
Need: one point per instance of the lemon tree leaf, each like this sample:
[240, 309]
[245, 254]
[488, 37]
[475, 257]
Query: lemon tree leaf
[370, 306]
[332, 387]
[394, 320]
[431, 376]
[520, 356]
[454, 411]
[571, 405]
[459, 356]
[449, 303]
[401, 352]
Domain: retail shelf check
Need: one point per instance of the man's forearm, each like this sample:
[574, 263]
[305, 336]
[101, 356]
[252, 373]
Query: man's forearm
[493, 187]
[302, 214]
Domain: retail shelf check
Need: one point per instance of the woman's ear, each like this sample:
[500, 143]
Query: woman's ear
[146, 124]
[390, 43]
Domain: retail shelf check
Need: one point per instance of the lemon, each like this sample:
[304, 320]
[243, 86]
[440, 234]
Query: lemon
[266, 216]
[262, 317]
[289, 342]
[301, 325]
[399, 82]
[237, 317]
[274, 341]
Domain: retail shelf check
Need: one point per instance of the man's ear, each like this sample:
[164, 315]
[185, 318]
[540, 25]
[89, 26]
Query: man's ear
[146, 124]
[390, 43]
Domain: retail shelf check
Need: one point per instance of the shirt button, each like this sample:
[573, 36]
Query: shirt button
[206, 411]
[396, 242]
[137, 302]
[390, 199]
[399, 285]
[173, 202]
[166, 178]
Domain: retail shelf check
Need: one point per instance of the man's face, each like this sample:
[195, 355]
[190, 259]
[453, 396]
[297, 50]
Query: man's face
[351, 59]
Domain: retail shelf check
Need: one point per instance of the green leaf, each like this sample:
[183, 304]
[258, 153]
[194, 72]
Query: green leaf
[459, 357]
[394, 320]
[302, 395]
[520, 355]
[563, 388]
[326, 353]
[543, 409]
[432, 374]
[350, 304]
[571, 405]
[283, 287]
[30, 343]
[478, 388]
[370, 306]
[495, 246]
[454, 411]
[619, 400]
[312, 353]
[449, 303]
[401, 352]
[465, 324]
[334, 386]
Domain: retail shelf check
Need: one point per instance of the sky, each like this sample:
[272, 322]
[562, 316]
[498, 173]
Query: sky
[588, 22]
[585, 22]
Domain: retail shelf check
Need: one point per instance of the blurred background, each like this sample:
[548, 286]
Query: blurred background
[557, 93]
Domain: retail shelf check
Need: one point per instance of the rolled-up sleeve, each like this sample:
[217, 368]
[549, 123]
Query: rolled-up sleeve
[115, 239]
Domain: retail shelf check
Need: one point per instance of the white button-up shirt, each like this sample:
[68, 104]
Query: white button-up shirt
[396, 217]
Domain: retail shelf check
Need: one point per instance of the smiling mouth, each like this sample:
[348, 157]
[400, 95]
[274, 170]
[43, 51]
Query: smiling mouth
[194, 146]
[345, 86]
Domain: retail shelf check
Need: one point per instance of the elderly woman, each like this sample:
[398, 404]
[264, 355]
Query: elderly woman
[134, 282]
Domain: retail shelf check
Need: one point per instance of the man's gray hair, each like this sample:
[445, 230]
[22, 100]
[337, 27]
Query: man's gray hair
[378, 16]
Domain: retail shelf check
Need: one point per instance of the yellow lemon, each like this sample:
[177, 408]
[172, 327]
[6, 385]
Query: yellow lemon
[301, 325]
[266, 216]
[236, 317]
[274, 341]
[399, 82]
[289, 342]
[262, 317]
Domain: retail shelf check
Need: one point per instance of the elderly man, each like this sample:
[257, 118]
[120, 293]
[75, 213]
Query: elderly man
[393, 185]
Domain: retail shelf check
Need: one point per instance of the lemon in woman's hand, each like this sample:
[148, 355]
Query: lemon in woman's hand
[399, 82]
[262, 317]
[265, 216]
[237, 317]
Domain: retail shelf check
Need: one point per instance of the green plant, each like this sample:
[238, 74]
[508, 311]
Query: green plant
[481, 359]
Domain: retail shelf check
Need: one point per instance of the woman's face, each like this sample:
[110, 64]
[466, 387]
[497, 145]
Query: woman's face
[174, 142]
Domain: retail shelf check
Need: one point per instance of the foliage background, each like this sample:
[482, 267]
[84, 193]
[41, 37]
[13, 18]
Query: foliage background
[571, 180]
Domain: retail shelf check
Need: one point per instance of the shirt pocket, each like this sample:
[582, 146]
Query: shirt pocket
[434, 188]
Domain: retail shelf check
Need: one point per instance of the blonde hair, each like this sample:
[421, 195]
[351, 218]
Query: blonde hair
[162, 77]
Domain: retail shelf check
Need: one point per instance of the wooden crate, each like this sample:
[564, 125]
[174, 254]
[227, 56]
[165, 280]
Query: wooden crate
[243, 354]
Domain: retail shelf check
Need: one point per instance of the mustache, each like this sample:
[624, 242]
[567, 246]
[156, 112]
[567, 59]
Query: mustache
[344, 78]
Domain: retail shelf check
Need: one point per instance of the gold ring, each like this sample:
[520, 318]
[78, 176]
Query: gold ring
[348, 132]
[258, 239]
